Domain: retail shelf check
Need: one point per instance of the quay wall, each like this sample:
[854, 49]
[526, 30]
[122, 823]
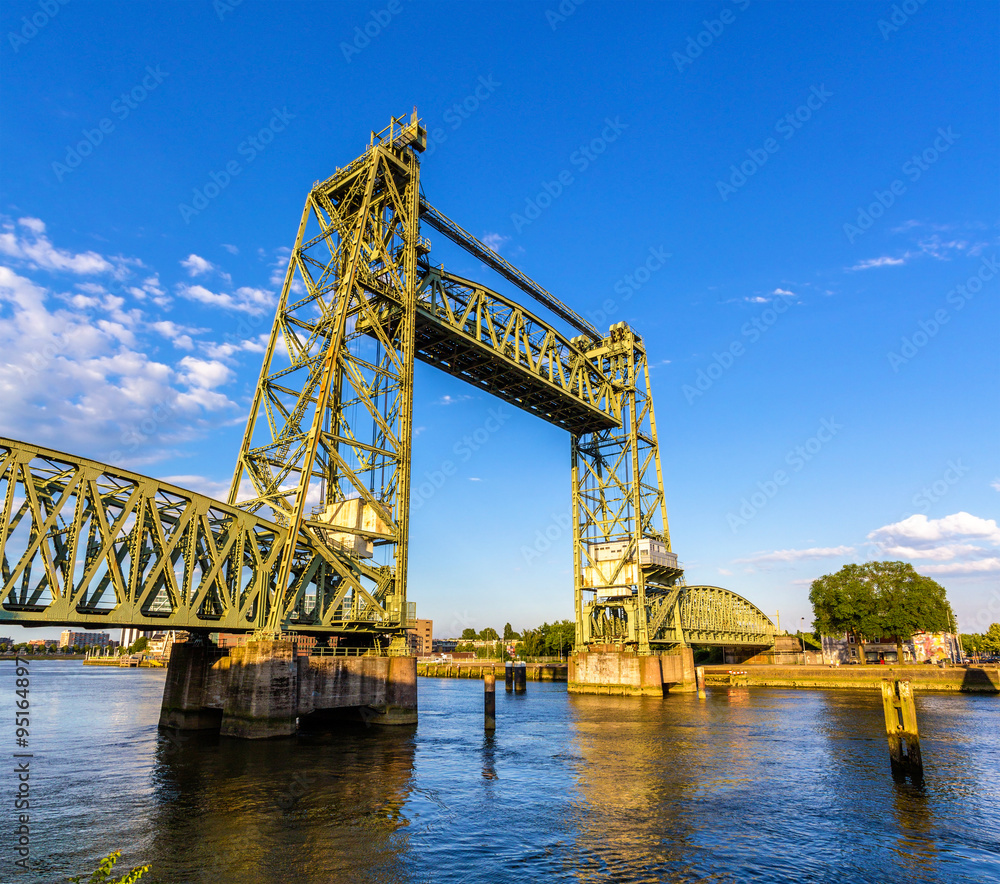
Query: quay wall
[974, 679]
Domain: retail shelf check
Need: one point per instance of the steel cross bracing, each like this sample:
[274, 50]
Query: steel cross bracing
[314, 536]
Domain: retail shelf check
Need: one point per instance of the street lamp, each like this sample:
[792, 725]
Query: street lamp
[802, 637]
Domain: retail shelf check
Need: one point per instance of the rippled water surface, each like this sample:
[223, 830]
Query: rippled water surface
[758, 785]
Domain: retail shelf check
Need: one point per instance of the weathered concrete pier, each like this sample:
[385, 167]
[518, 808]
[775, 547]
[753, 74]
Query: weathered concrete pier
[614, 671]
[264, 690]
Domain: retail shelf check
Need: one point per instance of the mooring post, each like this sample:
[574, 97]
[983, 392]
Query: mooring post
[699, 679]
[520, 678]
[508, 676]
[901, 727]
[490, 701]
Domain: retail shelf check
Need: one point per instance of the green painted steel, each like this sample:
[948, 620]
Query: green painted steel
[88, 544]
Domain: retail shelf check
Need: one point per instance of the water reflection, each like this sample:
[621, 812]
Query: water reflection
[319, 808]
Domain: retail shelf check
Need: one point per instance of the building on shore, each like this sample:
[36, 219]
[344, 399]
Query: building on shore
[71, 639]
[303, 643]
[420, 639]
[921, 647]
[444, 645]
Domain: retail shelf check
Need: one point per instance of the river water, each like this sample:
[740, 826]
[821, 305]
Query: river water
[748, 785]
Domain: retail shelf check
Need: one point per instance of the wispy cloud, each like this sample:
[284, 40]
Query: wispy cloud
[495, 240]
[453, 400]
[27, 242]
[796, 555]
[884, 261]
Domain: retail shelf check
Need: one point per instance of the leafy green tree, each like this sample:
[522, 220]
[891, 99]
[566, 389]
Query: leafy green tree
[972, 644]
[489, 635]
[532, 643]
[508, 632]
[469, 633]
[991, 639]
[879, 599]
[139, 645]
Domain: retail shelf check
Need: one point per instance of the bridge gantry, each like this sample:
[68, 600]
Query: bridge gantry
[314, 535]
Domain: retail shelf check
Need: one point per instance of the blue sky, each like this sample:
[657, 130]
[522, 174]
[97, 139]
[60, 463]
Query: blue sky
[815, 183]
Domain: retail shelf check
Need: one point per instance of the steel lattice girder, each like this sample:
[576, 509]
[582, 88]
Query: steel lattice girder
[94, 545]
[495, 344]
[331, 420]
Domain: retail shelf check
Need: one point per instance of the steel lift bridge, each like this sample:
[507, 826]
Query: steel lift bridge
[313, 538]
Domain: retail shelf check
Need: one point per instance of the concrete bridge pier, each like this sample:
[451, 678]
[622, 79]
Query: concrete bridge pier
[263, 689]
[610, 670]
[191, 700]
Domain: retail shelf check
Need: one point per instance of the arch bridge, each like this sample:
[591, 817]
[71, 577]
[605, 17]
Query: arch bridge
[313, 537]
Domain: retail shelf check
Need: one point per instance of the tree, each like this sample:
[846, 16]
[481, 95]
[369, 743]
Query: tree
[991, 640]
[469, 634]
[489, 635]
[972, 644]
[508, 632]
[879, 599]
[139, 645]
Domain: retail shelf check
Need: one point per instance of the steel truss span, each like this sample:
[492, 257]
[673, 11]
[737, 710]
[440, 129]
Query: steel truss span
[314, 535]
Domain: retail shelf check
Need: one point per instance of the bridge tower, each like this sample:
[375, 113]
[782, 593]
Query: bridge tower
[326, 452]
[624, 566]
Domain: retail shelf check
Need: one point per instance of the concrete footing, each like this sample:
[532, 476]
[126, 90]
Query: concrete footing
[628, 674]
[263, 690]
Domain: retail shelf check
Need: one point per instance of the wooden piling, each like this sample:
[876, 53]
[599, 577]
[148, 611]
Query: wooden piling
[699, 678]
[490, 701]
[901, 728]
[520, 678]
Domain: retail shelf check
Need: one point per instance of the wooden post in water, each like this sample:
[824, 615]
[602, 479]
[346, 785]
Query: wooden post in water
[520, 678]
[490, 701]
[699, 679]
[508, 676]
[901, 727]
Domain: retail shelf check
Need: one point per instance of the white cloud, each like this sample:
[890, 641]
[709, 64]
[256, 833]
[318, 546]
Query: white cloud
[995, 484]
[204, 373]
[796, 555]
[495, 240]
[981, 566]
[245, 299]
[957, 544]
[31, 245]
[217, 489]
[196, 265]
[231, 249]
[921, 531]
[869, 263]
[782, 292]
[475, 479]
[452, 400]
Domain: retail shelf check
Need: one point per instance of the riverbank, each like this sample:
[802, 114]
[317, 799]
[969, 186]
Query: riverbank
[968, 679]
[479, 668]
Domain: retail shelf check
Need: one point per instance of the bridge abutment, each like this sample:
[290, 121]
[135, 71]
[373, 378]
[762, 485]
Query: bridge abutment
[262, 689]
[603, 670]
